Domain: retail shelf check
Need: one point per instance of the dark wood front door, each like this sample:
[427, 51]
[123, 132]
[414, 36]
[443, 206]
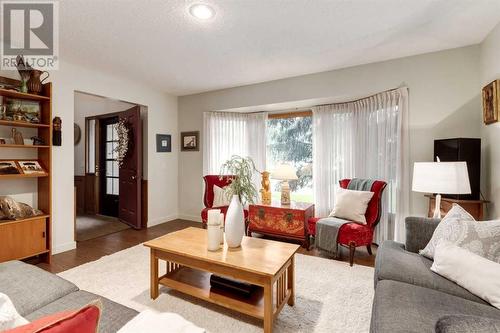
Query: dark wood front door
[130, 173]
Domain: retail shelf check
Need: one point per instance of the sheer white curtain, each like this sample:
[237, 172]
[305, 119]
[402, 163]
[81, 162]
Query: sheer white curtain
[367, 138]
[226, 134]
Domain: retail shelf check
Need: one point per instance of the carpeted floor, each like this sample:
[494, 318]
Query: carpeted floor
[330, 295]
[93, 226]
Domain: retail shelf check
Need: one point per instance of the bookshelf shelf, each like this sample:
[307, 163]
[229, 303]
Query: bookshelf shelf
[30, 237]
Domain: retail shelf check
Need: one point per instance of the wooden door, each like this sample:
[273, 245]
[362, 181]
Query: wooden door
[131, 171]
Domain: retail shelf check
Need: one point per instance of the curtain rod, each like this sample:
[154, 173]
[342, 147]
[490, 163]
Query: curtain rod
[309, 108]
[312, 106]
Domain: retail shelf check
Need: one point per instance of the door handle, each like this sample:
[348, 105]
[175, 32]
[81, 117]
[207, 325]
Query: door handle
[134, 177]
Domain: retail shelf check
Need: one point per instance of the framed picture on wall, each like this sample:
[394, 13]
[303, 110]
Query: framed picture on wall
[163, 143]
[491, 102]
[190, 141]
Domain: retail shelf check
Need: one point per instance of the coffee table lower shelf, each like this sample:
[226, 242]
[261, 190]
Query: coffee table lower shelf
[197, 284]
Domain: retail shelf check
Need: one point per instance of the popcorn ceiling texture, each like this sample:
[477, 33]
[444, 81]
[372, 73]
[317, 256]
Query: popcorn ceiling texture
[255, 41]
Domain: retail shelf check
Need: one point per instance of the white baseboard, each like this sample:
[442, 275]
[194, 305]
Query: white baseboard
[194, 218]
[64, 247]
[160, 220]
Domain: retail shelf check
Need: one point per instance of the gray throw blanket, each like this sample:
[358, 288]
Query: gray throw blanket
[327, 229]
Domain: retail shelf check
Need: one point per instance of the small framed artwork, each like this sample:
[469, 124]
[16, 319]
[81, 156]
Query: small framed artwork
[163, 143]
[9, 168]
[491, 102]
[190, 141]
[31, 167]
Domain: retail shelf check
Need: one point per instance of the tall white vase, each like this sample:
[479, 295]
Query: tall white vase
[235, 223]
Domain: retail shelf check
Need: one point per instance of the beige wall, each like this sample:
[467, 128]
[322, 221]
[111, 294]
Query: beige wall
[162, 168]
[489, 71]
[444, 103]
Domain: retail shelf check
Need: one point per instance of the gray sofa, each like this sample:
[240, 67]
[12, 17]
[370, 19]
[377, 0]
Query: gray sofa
[409, 297]
[37, 293]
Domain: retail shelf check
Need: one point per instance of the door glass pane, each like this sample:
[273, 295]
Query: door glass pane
[109, 168]
[109, 185]
[109, 132]
[115, 133]
[116, 186]
[116, 172]
[109, 150]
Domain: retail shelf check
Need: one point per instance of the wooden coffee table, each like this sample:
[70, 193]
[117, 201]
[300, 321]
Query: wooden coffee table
[267, 264]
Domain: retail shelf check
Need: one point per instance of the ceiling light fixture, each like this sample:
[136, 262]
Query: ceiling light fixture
[202, 11]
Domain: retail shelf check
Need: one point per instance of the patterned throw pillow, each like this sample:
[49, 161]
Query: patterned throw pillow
[221, 197]
[460, 228]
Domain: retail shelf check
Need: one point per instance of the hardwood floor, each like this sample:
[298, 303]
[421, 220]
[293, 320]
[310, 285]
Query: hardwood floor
[94, 249]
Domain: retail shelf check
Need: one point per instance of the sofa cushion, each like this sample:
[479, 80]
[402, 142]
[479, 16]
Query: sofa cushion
[402, 307]
[84, 320]
[113, 317]
[30, 287]
[461, 324]
[393, 262]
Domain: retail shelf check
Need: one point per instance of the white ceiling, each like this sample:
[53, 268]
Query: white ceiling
[249, 41]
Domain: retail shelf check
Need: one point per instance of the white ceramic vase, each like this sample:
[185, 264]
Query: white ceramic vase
[235, 223]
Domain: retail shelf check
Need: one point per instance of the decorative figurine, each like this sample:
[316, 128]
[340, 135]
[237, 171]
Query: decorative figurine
[17, 137]
[57, 131]
[37, 141]
[266, 188]
[11, 209]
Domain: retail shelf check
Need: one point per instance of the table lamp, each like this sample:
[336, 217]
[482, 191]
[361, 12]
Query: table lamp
[284, 172]
[441, 178]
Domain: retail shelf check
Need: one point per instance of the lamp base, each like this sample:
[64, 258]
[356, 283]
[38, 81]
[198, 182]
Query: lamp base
[285, 193]
[437, 207]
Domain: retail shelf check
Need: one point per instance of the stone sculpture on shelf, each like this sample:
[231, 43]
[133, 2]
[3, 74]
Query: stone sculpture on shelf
[11, 209]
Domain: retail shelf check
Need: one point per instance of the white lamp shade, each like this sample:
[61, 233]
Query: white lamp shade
[284, 172]
[441, 177]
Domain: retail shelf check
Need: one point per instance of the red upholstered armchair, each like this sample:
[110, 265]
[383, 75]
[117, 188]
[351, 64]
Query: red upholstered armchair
[208, 197]
[354, 234]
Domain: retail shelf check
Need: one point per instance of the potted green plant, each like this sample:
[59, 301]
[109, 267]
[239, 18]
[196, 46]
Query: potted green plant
[241, 191]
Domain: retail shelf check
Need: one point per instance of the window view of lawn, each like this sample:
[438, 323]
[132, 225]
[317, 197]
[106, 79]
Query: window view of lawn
[289, 141]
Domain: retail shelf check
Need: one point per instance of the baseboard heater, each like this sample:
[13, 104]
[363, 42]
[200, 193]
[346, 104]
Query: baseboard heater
[224, 283]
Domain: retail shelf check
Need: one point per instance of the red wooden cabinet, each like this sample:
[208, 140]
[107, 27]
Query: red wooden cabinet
[285, 221]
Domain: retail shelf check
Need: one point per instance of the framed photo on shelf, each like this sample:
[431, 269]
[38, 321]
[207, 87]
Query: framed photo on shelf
[9, 168]
[22, 110]
[31, 167]
[190, 141]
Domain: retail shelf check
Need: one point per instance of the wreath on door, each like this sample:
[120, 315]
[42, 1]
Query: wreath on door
[122, 129]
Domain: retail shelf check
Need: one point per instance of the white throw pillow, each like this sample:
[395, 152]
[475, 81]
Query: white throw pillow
[220, 196]
[478, 275]
[9, 318]
[351, 205]
[155, 322]
[460, 228]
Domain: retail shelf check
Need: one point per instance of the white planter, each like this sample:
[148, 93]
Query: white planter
[235, 223]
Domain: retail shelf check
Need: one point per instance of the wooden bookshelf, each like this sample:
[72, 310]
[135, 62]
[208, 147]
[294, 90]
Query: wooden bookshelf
[30, 237]
[19, 176]
[22, 146]
[22, 124]
[20, 95]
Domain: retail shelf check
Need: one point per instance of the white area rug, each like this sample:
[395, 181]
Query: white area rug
[330, 295]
